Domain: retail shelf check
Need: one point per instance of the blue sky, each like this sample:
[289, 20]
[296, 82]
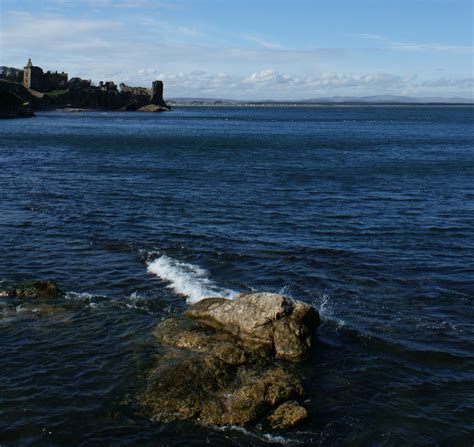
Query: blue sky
[279, 49]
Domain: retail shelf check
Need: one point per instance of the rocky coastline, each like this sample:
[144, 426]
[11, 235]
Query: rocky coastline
[15, 101]
[20, 98]
[222, 362]
[81, 95]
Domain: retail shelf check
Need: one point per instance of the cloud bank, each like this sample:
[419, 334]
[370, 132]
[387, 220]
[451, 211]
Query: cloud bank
[138, 47]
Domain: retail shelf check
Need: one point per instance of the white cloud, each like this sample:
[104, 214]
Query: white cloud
[103, 4]
[270, 83]
[192, 64]
[262, 42]
[417, 47]
[55, 32]
[188, 32]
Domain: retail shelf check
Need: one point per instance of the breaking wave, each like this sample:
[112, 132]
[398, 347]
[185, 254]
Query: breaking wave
[187, 279]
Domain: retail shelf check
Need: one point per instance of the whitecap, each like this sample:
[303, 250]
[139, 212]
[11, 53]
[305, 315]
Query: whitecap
[187, 279]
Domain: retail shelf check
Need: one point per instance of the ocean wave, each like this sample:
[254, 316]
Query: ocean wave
[187, 279]
[264, 437]
[326, 310]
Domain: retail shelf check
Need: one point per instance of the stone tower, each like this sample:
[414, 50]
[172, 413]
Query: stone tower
[33, 76]
[156, 96]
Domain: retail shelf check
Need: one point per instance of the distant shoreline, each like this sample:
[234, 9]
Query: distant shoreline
[321, 104]
[265, 105]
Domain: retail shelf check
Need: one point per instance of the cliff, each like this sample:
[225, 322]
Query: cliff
[15, 100]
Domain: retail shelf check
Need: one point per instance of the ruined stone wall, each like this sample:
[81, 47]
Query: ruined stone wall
[54, 81]
[81, 94]
[157, 94]
[134, 97]
[11, 74]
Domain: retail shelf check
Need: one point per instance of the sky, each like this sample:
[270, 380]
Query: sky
[250, 49]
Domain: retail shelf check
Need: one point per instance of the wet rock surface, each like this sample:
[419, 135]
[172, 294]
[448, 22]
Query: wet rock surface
[42, 290]
[232, 362]
[287, 415]
[34, 300]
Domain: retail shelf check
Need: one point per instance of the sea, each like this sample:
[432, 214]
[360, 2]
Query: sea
[365, 212]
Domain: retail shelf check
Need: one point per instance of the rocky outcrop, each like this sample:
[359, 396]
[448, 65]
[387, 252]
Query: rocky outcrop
[152, 108]
[82, 94]
[15, 100]
[33, 301]
[41, 290]
[265, 321]
[232, 362]
[289, 414]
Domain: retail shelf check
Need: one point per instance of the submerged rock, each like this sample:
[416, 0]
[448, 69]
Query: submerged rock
[39, 290]
[219, 363]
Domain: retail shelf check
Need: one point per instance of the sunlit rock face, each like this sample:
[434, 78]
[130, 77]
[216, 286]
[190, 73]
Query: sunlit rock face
[232, 362]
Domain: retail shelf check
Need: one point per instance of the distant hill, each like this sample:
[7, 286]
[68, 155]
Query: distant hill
[394, 99]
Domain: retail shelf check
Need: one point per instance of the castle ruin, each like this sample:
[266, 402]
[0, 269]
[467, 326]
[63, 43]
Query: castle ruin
[35, 79]
[60, 91]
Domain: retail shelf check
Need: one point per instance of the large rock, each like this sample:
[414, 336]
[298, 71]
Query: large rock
[263, 320]
[219, 364]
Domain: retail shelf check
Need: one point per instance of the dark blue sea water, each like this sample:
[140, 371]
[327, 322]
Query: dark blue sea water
[367, 212]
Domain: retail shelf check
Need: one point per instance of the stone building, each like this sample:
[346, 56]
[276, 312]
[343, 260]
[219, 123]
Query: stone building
[78, 83]
[33, 76]
[11, 74]
[36, 79]
[53, 80]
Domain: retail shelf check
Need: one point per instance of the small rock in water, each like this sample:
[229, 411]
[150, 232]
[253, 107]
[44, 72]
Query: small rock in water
[219, 363]
[38, 290]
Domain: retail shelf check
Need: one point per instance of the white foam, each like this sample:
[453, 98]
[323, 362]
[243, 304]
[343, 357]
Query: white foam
[79, 296]
[274, 439]
[326, 311]
[187, 279]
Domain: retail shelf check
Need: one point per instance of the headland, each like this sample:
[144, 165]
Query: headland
[24, 90]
